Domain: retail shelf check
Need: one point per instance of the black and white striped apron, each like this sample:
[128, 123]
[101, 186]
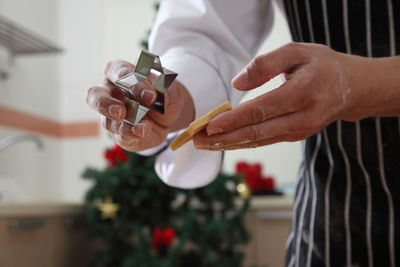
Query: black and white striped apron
[347, 202]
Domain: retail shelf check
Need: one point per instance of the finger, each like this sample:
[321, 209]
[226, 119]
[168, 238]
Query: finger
[265, 67]
[127, 144]
[173, 105]
[294, 123]
[268, 141]
[142, 91]
[139, 144]
[125, 129]
[142, 136]
[145, 93]
[143, 129]
[99, 98]
[283, 100]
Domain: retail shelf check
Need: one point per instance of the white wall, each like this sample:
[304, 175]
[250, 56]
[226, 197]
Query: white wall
[125, 23]
[33, 87]
[80, 68]
[80, 34]
[54, 86]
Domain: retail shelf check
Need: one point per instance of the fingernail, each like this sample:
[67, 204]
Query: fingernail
[240, 80]
[211, 131]
[115, 111]
[138, 130]
[147, 96]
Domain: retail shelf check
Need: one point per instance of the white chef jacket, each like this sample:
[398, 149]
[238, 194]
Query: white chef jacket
[207, 42]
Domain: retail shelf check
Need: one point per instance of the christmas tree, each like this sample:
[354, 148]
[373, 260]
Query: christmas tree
[140, 221]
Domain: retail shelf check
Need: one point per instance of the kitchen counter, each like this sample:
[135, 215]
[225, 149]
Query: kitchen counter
[26, 228]
[278, 202]
[273, 202]
[40, 209]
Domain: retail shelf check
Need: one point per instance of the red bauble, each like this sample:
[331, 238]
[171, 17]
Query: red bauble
[253, 177]
[242, 167]
[116, 155]
[156, 239]
[162, 238]
[168, 235]
[268, 184]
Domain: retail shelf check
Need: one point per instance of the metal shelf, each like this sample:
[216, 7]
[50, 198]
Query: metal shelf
[21, 41]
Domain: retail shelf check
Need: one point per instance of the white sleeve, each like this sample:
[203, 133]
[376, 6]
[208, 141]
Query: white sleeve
[207, 42]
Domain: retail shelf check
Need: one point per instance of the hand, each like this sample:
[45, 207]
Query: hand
[321, 86]
[152, 130]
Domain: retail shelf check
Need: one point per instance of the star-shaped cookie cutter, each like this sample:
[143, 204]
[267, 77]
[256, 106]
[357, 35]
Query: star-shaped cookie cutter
[146, 62]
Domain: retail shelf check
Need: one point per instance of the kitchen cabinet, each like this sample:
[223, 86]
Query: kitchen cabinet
[53, 235]
[43, 240]
[268, 222]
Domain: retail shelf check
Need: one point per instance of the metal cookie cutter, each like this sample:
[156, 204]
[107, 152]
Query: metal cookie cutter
[147, 62]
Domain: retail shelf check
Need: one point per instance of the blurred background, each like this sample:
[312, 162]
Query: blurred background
[43, 93]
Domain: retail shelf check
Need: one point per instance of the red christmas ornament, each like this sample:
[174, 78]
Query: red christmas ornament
[156, 239]
[253, 177]
[169, 235]
[163, 237]
[242, 167]
[268, 184]
[116, 155]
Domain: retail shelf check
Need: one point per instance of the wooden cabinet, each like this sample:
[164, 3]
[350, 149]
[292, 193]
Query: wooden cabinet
[53, 235]
[45, 241]
[269, 227]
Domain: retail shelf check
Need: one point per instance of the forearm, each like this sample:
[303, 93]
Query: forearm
[373, 86]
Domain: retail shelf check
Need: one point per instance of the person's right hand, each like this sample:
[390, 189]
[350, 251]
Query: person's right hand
[152, 130]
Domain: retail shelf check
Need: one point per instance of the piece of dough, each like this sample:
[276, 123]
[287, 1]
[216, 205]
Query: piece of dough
[198, 125]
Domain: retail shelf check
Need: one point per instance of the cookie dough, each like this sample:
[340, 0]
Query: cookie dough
[198, 125]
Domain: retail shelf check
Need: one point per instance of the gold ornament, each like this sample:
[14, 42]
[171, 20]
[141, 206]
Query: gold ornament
[243, 190]
[108, 208]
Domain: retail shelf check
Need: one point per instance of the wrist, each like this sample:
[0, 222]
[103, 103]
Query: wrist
[368, 87]
[187, 112]
[387, 86]
[376, 82]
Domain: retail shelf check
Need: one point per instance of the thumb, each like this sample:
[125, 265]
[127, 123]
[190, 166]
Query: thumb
[266, 66]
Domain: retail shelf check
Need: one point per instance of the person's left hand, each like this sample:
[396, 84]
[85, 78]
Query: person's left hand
[318, 90]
